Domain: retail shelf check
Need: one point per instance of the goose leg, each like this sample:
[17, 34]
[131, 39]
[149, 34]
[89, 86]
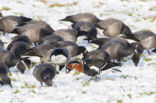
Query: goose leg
[148, 52]
[90, 79]
[57, 69]
[41, 84]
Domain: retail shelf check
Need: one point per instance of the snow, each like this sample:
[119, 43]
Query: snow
[132, 85]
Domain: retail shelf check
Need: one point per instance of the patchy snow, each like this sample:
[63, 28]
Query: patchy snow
[132, 85]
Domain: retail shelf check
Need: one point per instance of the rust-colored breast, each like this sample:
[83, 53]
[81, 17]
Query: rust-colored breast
[79, 67]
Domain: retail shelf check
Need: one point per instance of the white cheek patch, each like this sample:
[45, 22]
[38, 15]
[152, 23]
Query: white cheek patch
[59, 59]
[94, 68]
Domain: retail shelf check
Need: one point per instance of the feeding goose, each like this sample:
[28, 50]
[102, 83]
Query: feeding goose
[87, 29]
[9, 23]
[118, 49]
[147, 41]
[67, 34]
[81, 17]
[60, 57]
[8, 58]
[112, 27]
[18, 38]
[35, 30]
[44, 73]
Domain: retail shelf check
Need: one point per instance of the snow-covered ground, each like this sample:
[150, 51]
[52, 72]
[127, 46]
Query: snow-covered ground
[132, 85]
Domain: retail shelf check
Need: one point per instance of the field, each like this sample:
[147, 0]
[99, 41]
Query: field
[132, 85]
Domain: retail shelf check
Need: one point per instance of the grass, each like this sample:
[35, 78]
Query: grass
[151, 64]
[119, 101]
[83, 92]
[148, 59]
[10, 74]
[147, 93]
[125, 76]
[43, 1]
[85, 84]
[130, 14]
[16, 91]
[130, 96]
[63, 5]
[5, 8]
[76, 73]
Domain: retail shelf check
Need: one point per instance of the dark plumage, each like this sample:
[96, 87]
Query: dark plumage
[9, 23]
[1, 45]
[81, 17]
[19, 48]
[101, 41]
[19, 38]
[87, 29]
[67, 34]
[44, 73]
[53, 39]
[118, 49]
[43, 51]
[11, 60]
[112, 27]
[35, 30]
[72, 47]
[147, 41]
[4, 79]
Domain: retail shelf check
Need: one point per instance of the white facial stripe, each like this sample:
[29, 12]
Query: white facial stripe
[103, 66]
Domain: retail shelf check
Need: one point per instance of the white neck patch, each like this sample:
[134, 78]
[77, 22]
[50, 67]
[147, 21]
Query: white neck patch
[59, 59]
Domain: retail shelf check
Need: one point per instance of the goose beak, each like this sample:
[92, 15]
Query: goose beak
[135, 59]
[63, 19]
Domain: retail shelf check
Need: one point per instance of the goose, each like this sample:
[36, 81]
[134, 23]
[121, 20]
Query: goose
[43, 51]
[87, 29]
[112, 27]
[67, 34]
[96, 58]
[147, 41]
[101, 41]
[18, 38]
[81, 17]
[44, 73]
[4, 79]
[72, 47]
[8, 58]
[91, 66]
[118, 49]
[52, 39]
[19, 48]
[60, 57]
[35, 30]
[9, 23]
